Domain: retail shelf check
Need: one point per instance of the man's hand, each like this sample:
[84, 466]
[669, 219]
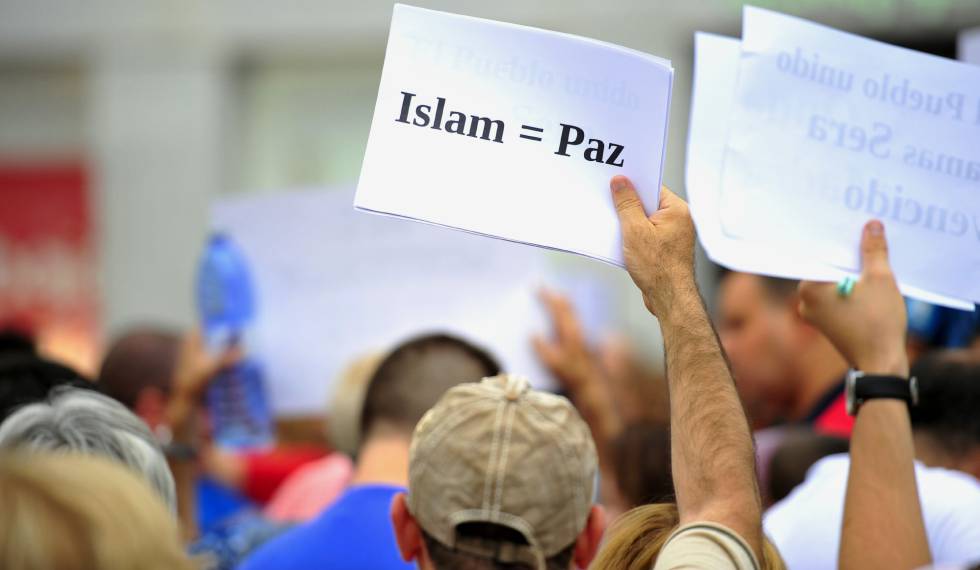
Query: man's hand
[576, 367]
[659, 249]
[566, 354]
[867, 327]
[711, 448]
[195, 367]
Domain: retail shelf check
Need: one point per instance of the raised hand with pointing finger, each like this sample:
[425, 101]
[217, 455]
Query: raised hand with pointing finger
[883, 525]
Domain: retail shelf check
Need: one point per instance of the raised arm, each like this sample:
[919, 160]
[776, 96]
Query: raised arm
[712, 452]
[883, 525]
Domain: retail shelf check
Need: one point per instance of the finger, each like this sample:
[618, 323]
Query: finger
[629, 207]
[874, 249]
[668, 198]
[813, 295]
[565, 321]
[547, 352]
[231, 356]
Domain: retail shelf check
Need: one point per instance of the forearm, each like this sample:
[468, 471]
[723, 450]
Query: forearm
[179, 415]
[882, 505]
[712, 452]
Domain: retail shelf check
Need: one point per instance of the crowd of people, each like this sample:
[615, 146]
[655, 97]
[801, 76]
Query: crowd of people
[817, 428]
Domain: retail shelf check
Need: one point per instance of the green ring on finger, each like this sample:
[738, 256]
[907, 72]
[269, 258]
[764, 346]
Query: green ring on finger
[846, 286]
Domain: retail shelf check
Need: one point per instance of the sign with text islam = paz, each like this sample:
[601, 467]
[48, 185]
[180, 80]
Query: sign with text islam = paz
[829, 129]
[513, 132]
[715, 78]
[335, 285]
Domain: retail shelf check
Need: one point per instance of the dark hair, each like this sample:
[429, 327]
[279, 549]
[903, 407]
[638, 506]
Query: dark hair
[776, 287]
[413, 377]
[641, 460]
[447, 558]
[949, 400]
[26, 378]
[141, 358]
[16, 341]
[798, 451]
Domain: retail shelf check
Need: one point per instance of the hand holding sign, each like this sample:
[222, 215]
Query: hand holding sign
[659, 249]
[795, 142]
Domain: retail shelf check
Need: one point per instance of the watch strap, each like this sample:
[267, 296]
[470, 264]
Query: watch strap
[870, 387]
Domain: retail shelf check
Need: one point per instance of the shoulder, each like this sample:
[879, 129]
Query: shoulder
[706, 545]
[823, 489]
[292, 545]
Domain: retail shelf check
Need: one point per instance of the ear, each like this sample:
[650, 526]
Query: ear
[151, 406]
[408, 533]
[588, 541]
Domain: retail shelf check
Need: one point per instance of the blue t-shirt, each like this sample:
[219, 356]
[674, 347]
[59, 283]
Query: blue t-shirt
[355, 533]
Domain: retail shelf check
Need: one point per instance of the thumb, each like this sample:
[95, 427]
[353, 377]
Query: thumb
[874, 249]
[629, 207]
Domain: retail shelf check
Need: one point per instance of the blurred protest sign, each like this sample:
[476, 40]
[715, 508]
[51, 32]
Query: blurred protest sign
[819, 140]
[513, 132]
[968, 46]
[334, 284]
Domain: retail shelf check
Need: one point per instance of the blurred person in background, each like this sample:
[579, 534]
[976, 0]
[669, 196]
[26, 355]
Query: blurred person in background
[799, 449]
[74, 420]
[313, 487]
[355, 532]
[74, 512]
[26, 378]
[934, 327]
[500, 477]
[634, 540]
[946, 432]
[163, 378]
[623, 402]
[785, 368]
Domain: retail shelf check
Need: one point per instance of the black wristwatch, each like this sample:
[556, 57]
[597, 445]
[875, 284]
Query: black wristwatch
[862, 387]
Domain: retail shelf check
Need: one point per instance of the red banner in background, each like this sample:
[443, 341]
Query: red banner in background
[47, 259]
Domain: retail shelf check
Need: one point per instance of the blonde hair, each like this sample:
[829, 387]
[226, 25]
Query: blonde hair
[71, 511]
[635, 540]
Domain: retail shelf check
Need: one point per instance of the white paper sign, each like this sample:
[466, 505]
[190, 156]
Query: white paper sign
[831, 129]
[715, 81]
[334, 284]
[513, 132]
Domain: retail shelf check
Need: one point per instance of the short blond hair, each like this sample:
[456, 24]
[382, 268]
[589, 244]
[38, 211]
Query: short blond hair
[635, 540]
[71, 511]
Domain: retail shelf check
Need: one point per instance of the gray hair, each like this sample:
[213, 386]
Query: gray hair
[83, 421]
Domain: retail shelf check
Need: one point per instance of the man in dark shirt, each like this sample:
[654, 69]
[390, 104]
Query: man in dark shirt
[785, 368]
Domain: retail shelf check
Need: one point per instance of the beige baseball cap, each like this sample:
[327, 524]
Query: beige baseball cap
[499, 452]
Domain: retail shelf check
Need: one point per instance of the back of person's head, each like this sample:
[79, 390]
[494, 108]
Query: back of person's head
[641, 461]
[413, 377]
[635, 540]
[500, 477]
[72, 512]
[347, 402]
[26, 378]
[946, 419]
[72, 420]
[140, 359]
[797, 452]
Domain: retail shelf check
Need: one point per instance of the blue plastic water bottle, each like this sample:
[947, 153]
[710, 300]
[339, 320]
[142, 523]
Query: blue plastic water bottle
[236, 398]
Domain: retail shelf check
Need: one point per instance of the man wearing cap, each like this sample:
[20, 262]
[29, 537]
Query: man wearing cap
[501, 476]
